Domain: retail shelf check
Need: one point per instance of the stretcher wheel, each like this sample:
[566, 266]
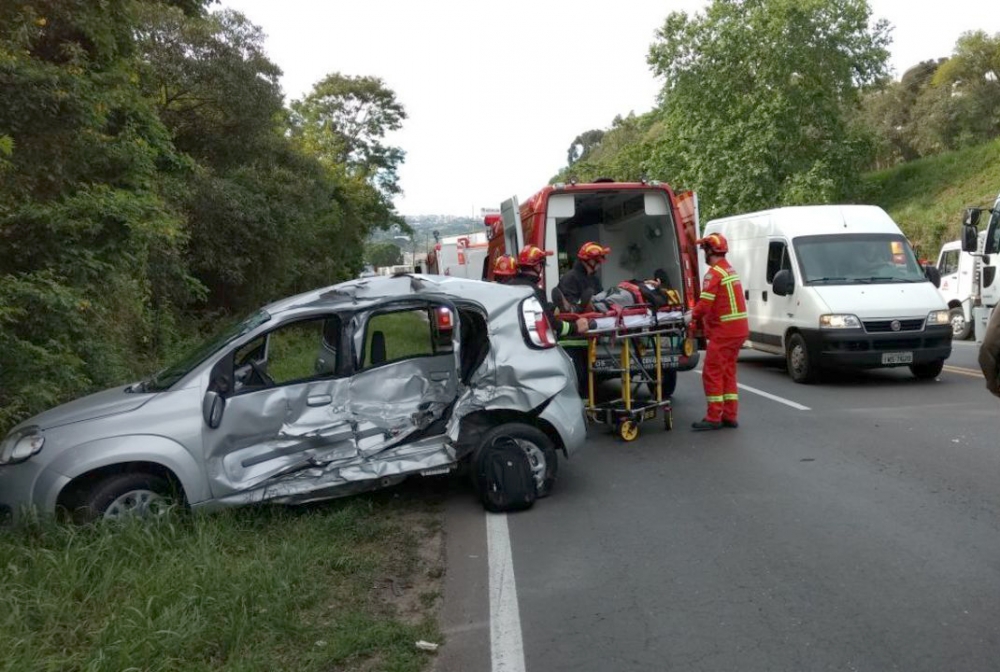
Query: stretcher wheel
[628, 430]
[668, 421]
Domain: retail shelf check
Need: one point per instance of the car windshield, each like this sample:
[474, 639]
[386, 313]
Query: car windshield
[855, 259]
[170, 375]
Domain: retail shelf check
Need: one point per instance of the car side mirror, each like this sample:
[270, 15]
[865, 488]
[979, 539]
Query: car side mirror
[783, 283]
[212, 407]
[933, 274]
[970, 236]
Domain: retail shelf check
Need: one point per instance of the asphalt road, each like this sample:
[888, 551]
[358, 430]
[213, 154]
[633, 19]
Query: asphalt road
[860, 534]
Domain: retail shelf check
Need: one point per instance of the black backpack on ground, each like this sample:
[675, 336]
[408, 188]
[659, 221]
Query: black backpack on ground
[503, 476]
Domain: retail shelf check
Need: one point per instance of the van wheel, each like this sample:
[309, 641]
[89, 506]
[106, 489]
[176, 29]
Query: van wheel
[961, 328]
[800, 367]
[539, 448]
[928, 370]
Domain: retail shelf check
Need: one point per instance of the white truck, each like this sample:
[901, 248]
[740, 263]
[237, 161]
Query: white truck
[984, 247]
[959, 285]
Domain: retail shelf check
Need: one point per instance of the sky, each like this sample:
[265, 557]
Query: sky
[495, 92]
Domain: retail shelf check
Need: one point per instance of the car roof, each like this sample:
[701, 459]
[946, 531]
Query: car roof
[365, 292]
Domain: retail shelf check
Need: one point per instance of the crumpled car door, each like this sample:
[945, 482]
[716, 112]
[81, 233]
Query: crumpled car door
[407, 374]
[287, 410]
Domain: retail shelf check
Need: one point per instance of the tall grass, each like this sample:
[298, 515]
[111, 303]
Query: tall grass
[927, 197]
[267, 588]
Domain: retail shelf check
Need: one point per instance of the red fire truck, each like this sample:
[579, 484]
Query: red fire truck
[647, 225]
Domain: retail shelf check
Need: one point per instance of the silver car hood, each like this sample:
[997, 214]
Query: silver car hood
[98, 405]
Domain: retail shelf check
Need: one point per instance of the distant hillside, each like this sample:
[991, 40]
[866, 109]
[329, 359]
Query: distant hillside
[926, 197]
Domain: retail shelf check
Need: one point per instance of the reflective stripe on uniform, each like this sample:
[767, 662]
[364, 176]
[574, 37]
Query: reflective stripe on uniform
[708, 296]
[730, 397]
[715, 400]
[732, 316]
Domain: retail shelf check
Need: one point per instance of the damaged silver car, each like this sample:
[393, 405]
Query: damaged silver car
[333, 392]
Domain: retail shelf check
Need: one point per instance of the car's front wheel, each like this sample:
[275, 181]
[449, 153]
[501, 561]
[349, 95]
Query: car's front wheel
[539, 448]
[120, 496]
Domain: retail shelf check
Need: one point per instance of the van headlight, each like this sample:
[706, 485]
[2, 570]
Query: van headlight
[19, 446]
[938, 318]
[839, 322]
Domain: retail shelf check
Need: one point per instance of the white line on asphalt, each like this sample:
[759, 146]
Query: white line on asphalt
[768, 395]
[506, 647]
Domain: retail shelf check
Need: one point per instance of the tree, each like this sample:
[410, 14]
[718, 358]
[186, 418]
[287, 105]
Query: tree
[383, 254]
[583, 145]
[756, 99]
[972, 77]
[345, 120]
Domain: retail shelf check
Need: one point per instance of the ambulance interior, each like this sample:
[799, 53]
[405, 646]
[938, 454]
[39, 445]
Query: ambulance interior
[636, 225]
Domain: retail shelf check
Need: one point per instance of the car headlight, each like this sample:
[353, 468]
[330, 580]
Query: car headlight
[19, 446]
[839, 322]
[938, 317]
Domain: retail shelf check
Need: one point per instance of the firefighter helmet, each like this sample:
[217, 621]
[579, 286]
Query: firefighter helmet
[713, 243]
[532, 256]
[505, 266]
[591, 251]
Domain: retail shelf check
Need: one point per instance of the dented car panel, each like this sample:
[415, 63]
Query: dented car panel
[337, 391]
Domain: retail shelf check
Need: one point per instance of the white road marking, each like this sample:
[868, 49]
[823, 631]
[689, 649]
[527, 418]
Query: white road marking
[506, 647]
[768, 395]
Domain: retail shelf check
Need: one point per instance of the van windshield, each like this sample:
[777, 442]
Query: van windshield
[857, 258]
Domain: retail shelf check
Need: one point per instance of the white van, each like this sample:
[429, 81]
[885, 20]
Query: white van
[835, 286]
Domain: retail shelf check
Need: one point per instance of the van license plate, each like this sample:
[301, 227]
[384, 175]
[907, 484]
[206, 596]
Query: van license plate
[897, 358]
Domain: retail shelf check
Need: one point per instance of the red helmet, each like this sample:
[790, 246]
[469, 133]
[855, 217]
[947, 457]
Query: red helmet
[591, 251]
[715, 243]
[532, 256]
[505, 266]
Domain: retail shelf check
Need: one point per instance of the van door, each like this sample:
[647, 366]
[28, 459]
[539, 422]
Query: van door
[775, 314]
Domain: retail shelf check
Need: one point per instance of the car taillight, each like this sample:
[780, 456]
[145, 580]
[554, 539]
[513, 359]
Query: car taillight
[538, 332]
[444, 319]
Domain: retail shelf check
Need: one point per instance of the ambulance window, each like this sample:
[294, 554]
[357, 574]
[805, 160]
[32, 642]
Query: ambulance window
[777, 258]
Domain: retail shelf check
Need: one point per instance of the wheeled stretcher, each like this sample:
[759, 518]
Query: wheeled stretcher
[633, 340]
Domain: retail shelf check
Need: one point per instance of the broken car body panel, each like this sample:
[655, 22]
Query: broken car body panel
[388, 371]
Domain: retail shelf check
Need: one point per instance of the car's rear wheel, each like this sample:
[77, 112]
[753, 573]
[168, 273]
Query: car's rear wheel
[121, 496]
[539, 448]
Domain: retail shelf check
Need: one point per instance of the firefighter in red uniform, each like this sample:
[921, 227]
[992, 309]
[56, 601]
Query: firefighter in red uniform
[722, 313]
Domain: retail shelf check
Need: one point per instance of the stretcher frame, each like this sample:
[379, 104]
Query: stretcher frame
[623, 414]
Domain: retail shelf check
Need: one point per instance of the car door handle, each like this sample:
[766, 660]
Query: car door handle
[319, 400]
[746, 294]
[438, 376]
[763, 295]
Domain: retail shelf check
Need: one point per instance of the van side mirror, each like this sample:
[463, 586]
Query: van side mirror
[212, 407]
[970, 236]
[783, 283]
[933, 274]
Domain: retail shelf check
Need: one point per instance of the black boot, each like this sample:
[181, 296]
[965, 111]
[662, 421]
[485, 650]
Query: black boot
[705, 425]
[732, 424]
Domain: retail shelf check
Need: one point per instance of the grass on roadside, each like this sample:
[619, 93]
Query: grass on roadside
[927, 197]
[267, 588]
